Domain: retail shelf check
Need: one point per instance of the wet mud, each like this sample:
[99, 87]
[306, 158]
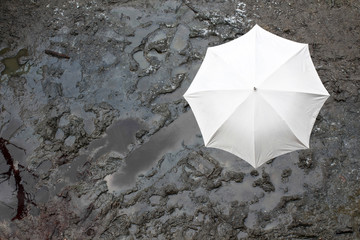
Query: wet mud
[145, 157]
[97, 142]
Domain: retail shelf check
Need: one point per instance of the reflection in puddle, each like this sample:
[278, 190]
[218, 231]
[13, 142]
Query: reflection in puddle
[16, 183]
[13, 171]
[168, 139]
[117, 139]
[141, 60]
[12, 174]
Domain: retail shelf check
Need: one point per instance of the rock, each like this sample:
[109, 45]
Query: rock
[141, 133]
[63, 121]
[345, 230]
[211, 185]
[48, 128]
[170, 87]
[237, 216]
[234, 176]
[169, 190]
[158, 41]
[254, 173]
[286, 174]
[180, 40]
[264, 183]
[305, 160]
[69, 141]
[224, 230]
[59, 134]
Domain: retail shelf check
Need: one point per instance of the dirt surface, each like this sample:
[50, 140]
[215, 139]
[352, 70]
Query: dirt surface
[97, 142]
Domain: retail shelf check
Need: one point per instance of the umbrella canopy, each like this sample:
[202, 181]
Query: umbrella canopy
[257, 96]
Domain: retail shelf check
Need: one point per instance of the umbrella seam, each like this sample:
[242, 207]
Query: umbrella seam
[253, 126]
[293, 91]
[292, 131]
[226, 119]
[325, 97]
[204, 91]
[193, 95]
[213, 135]
[225, 61]
[272, 73]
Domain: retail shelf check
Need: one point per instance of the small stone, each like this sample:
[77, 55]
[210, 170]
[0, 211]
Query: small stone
[141, 133]
[305, 160]
[180, 39]
[170, 190]
[254, 173]
[264, 183]
[63, 121]
[224, 229]
[286, 174]
[155, 200]
[157, 41]
[234, 176]
[70, 141]
[59, 134]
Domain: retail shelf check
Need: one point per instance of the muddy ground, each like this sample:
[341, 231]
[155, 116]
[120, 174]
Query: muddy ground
[98, 143]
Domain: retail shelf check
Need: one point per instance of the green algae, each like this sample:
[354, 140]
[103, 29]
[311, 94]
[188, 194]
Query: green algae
[4, 50]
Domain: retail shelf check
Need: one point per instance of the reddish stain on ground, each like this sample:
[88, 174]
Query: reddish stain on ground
[13, 170]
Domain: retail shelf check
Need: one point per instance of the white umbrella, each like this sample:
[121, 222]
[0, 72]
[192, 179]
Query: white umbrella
[257, 96]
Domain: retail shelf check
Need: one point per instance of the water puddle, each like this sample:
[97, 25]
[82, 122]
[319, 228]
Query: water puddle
[14, 172]
[117, 139]
[140, 59]
[14, 177]
[169, 139]
[17, 182]
[181, 38]
[12, 64]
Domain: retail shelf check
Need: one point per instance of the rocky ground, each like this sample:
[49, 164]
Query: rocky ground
[98, 143]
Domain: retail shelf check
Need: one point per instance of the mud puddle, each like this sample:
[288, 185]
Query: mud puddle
[285, 176]
[12, 64]
[17, 183]
[16, 180]
[117, 139]
[181, 132]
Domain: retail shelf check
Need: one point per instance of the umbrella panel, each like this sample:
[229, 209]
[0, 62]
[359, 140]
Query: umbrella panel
[257, 96]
